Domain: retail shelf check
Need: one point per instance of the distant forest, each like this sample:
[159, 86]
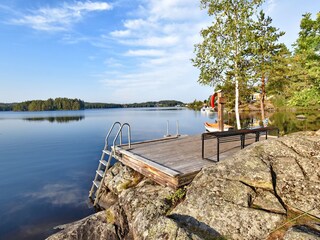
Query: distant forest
[77, 104]
[45, 105]
[164, 103]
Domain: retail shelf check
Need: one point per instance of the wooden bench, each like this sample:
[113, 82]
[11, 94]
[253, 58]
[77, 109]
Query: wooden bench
[236, 135]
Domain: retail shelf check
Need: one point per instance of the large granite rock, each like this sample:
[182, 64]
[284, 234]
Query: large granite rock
[301, 232]
[256, 193]
[92, 227]
[118, 179]
[269, 190]
[145, 207]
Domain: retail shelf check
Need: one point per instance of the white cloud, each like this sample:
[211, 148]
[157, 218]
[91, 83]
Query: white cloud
[177, 10]
[112, 63]
[71, 39]
[59, 18]
[270, 6]
[136, 24]
[156, 83]
[6, 9]
[160, 43]
[90, 6]
[169, 76]
[120, 33]
[152, 41]
[145, 53]
[59, 194]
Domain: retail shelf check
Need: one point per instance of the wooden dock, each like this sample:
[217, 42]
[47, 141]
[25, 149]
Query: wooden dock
[173, 161]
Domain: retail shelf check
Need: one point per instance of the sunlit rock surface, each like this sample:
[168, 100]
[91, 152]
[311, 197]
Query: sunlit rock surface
[269, 190]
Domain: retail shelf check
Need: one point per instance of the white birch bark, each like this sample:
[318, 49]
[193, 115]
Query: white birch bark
[237, 105]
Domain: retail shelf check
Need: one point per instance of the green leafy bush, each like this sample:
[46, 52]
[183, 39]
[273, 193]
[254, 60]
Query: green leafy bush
[176, 197]
[309, 97]
[279, 101]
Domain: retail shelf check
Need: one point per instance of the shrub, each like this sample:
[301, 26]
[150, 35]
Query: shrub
[309, 97]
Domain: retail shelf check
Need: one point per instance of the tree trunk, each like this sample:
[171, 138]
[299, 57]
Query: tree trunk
[237, 57]
[237, 105]
[262, 97]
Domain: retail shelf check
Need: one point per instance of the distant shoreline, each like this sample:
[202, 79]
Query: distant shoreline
[59, 104]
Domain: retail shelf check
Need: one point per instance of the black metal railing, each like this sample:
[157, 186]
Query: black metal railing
[237, 135]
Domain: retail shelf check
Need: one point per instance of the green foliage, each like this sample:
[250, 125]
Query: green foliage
[287, 121]
[223, 55]
[306, 98]
[50, 105]
[297, 76]
[102, 105]
[226, 51]
[177, 196]
[281, 73]
[110, 216]
[309, 36]
[307, 50]
[195, 105]
[245, 92]
[6, 106]
[21, 106]
[163, 103]
[265, 45]
[241, 49]
[279, 101]
[77, 104]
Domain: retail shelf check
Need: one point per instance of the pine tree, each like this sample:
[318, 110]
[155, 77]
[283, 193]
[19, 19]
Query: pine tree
[265, 48]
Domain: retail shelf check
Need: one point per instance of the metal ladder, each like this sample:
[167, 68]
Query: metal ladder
[105, 160]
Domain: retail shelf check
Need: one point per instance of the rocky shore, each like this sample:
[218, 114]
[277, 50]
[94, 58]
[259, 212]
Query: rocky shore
[269, 190]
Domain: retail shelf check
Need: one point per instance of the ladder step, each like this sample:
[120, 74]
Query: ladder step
[100, 173]
[104, 162]
[106, 152]
[96, 183]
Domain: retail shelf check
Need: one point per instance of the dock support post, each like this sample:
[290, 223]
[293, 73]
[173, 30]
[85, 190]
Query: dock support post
[242, 140]
[202, 140]
[218, 150]
[257, 136]
[267, 134]
[178, 134]
[167, 135]
[221, 102]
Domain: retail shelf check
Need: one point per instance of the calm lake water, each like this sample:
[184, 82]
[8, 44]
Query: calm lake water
[48, 159]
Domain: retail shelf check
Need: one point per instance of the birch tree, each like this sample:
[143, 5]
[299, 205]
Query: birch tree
[224, 52]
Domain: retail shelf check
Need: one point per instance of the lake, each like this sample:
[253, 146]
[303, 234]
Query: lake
[48, 159]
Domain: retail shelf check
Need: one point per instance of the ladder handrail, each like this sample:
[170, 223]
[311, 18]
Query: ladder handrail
[111, 153]
[120, 133]
[110, 130]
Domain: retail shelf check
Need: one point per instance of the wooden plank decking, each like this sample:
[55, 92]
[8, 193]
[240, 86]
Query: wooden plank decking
[173, 161]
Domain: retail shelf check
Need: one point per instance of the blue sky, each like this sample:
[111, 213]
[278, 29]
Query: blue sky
[112, 51]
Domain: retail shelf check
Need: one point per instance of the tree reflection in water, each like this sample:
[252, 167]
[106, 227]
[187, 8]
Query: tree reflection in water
[286, 121]
[60, 119]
